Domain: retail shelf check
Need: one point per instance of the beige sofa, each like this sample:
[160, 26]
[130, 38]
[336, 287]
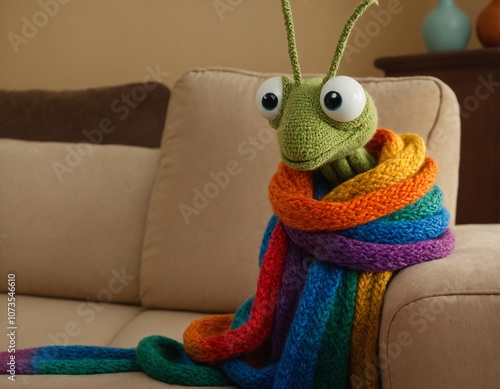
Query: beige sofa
[132, 241]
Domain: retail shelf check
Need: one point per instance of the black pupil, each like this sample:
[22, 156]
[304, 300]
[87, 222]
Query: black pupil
[333, 101]
[270, 101]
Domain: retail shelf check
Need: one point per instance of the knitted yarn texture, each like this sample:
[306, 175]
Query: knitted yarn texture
[325, 262]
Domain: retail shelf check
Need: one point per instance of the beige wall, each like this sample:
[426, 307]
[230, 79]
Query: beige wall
[103, 42]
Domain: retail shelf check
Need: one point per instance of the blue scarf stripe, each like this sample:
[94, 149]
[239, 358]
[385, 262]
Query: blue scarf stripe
[400, 232]
[247, 377]
[298, 362]
[84, 360]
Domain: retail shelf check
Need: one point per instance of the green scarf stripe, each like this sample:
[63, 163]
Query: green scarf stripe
[426, 206]
[165, 359]
[332, 370]
[87, 366]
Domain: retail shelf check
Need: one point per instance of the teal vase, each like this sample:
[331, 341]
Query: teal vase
[446, 28]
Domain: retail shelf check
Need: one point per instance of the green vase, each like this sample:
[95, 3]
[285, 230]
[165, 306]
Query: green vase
[446, 28]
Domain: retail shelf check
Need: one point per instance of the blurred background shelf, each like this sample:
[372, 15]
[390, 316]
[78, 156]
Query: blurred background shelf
[474, 75]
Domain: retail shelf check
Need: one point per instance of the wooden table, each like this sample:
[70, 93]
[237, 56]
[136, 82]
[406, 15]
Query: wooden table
[474, 75]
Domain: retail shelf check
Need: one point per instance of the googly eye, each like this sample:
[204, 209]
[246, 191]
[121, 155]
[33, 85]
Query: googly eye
[342, 99]
[269, 97]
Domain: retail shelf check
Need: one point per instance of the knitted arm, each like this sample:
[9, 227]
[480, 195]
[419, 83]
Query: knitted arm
[344, 169]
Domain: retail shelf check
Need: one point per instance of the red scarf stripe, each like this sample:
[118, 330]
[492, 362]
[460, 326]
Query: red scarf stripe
[207, 339]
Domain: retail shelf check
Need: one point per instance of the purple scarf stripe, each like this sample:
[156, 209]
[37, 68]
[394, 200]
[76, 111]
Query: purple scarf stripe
[292, 284]
[357, 255]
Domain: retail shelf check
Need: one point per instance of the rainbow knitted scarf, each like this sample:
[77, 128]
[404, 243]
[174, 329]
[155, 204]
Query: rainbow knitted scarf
[325, 262]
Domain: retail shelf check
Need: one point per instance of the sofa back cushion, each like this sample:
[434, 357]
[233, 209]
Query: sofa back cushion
[72, 214]
[72, 218]
[209, 205]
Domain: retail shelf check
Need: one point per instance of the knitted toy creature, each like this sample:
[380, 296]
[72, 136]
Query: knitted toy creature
[351, 204]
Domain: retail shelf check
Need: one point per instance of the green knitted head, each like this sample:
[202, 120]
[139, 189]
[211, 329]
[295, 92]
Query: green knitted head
[317, 120]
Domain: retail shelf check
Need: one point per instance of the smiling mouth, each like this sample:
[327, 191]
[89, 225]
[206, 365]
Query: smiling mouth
[316, 162]
[310, 164]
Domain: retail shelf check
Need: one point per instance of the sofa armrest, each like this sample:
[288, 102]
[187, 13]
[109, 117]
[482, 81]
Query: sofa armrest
[439, 325]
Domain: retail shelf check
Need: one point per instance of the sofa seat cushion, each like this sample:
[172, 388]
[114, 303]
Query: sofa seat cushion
[155, 322]
[441, 318]
[72, 218]
[98, 381]
[42, 321]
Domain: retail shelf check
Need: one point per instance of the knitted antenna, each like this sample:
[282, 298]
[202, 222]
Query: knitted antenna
[344, 36]
[292, 46]
[341, 45]
[326, 258]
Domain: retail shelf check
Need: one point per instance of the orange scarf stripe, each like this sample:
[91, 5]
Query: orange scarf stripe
[301, 211]
[204, 328]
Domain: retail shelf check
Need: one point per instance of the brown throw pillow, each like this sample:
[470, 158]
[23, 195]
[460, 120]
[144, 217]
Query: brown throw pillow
[132, 114]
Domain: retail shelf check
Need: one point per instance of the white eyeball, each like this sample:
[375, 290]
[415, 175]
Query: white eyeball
[342, 99]
[269, 97]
